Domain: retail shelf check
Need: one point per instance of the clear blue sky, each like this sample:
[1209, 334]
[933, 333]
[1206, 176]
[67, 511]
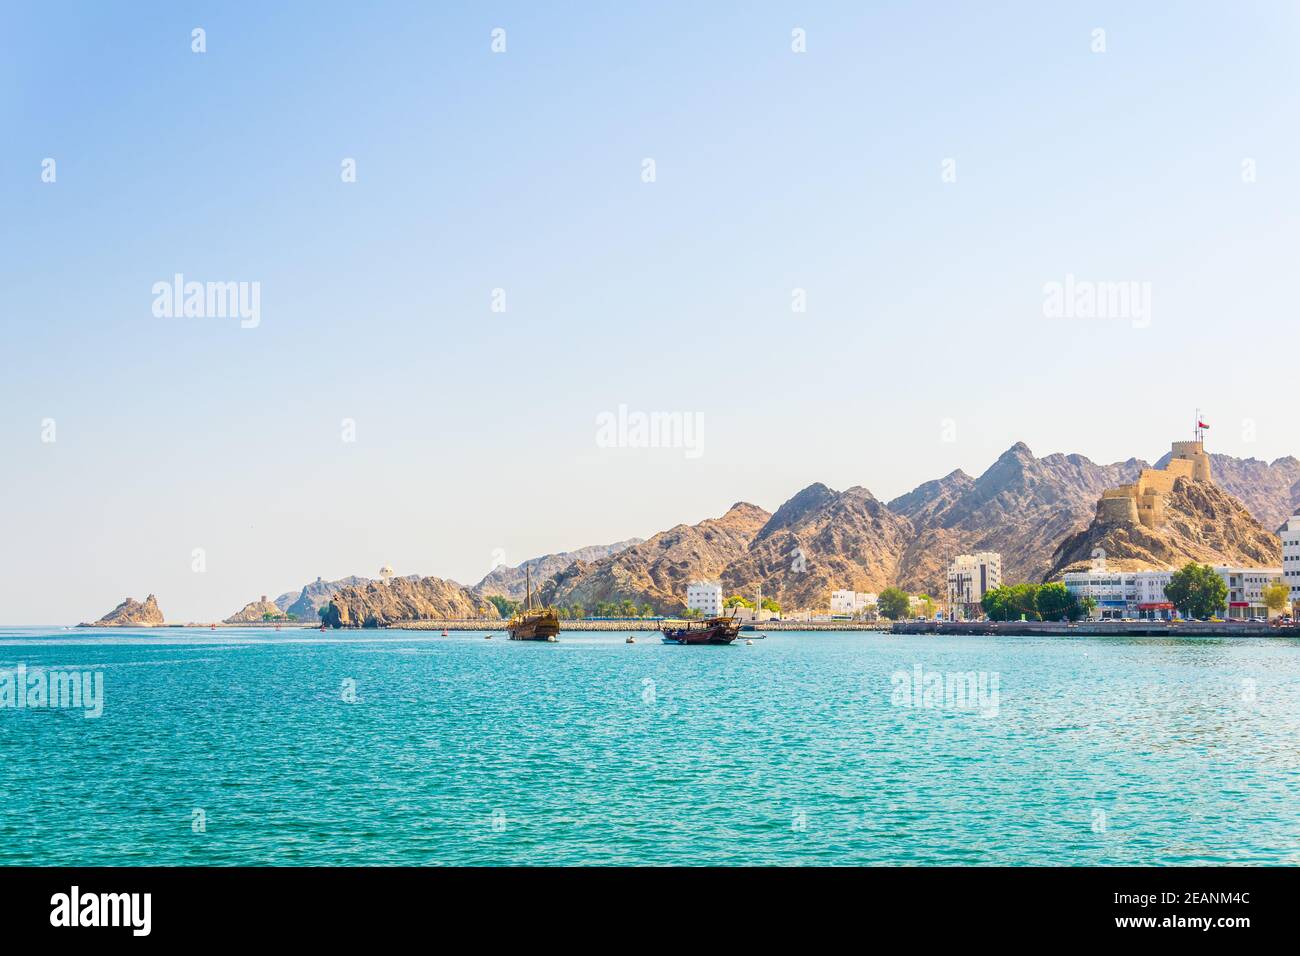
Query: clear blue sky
[775, 170]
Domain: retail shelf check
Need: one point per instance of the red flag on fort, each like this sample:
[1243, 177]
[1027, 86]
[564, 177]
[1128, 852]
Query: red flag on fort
[1201, 424]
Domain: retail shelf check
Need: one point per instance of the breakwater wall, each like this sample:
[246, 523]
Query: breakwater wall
[1092, 629]
[650, 624]
[500, 625]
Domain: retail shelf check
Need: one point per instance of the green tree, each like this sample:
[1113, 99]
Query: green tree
[1087, 606]
[737, 601]
[894, 604]
[1056, 603]
[1010, 602]
[995, 603]
[1277, 597]
[770, 605]
[927, 604]
[505, 607]
[1197, 591]
[1024, 601]
[647, 610]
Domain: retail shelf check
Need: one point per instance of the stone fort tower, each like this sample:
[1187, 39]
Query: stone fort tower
[1194, 451]
[1143, 502]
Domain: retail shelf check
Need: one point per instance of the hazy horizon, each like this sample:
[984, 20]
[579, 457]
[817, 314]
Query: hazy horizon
[842, 271]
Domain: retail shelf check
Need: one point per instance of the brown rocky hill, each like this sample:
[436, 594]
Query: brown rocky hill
[1202, 523]
[820, 541]
[509, 581]
[1270, 492]
[314, 596]
[131, 613]
[1022, 506]
[816, 542]
[379, 604]
[657, 571]
[255, 611]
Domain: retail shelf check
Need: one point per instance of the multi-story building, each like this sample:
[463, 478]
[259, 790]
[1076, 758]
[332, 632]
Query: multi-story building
[852, 603]
[970, 577]
[1141, 594]
[1291, 559]
[1246, 590]
[705, 597]
[1115, 593]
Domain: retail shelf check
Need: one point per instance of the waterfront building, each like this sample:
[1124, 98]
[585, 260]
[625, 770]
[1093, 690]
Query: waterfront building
[1113, 591]
[851, 603]
[705, 597]
[1246, 590]
[970, 577]
[1141, 594]
[1291, 558]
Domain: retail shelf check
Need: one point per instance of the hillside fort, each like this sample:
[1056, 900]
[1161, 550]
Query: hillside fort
[1143, 501]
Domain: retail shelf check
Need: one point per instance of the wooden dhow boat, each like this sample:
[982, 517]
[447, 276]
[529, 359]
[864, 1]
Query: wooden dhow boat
[712, 630]
[533, 624]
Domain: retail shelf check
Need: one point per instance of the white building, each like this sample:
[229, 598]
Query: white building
[1141, 594]
[705, 597]
[1291, 558]
[1115, 592]
[970, 577]
[852, 603]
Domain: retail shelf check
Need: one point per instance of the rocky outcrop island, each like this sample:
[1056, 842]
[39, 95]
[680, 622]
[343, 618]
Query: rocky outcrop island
[131, 613]
[255, 612]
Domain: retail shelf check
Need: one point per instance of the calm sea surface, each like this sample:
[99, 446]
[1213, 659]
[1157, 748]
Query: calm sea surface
[800, 749]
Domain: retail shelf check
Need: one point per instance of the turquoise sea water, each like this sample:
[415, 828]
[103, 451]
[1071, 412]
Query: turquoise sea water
[796, 750]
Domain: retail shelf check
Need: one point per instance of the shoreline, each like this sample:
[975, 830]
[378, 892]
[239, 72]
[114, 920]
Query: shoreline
[932, 628]
[1092, 629]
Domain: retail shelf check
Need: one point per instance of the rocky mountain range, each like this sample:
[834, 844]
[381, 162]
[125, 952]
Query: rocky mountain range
[131, 613]
[379, 603]
[1038, 513]
[1021, 507]
[657, 571]
[818, 541]
[509, 581]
